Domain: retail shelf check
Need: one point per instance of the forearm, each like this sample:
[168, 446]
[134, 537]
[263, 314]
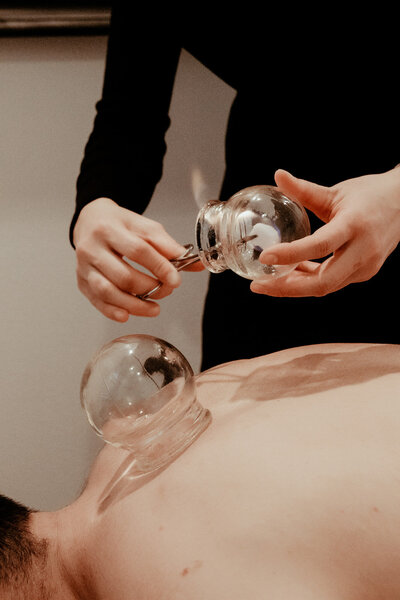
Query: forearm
[124, 154]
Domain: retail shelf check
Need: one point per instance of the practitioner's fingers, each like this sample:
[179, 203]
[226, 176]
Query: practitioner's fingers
[143, 253]
[347, 265]
[320, 244]
[317, 198]
[111, 301]
[123, 275]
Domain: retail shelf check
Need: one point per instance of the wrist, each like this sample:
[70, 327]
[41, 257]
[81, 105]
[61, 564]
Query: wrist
[392, 179]
[81, 217]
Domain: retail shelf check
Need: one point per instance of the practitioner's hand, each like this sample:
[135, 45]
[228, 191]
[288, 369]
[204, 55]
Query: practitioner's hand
[362, 217]
[105, 235]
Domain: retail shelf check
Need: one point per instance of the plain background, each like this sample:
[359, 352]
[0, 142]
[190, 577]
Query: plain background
[49, 331]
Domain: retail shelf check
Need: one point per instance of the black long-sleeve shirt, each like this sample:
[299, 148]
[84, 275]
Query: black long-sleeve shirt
[315, 95]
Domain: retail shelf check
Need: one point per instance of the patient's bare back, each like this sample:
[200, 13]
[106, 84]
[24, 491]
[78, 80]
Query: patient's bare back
[292, 492]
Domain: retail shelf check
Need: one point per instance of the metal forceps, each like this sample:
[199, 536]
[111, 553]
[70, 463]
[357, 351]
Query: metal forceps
[187, 258]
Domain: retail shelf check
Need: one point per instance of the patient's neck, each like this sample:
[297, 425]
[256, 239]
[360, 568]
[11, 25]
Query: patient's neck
[66, 532]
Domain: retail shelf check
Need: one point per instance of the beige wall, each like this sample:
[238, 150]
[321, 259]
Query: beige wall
[48, 329]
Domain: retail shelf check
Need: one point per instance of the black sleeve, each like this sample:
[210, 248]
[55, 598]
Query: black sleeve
[124, 154]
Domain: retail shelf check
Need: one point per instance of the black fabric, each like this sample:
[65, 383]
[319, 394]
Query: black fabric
[316, 95]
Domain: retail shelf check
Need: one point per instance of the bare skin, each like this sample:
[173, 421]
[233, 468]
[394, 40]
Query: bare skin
[362, 217]
[293, 491]
[120, 255]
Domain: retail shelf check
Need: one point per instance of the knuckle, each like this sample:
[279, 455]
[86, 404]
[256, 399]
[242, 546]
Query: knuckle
[322, 288]
[102, 229]
[287, 253]
[83, 254]
[100, 287]
[163, 292]
[372, 269]
[162, 268]
[156, 228]
[125, 281]
[142, 308]
[148, 229]
[81, 285]
[292, 257]
[137, 249]
[323, 248]
[375, 251]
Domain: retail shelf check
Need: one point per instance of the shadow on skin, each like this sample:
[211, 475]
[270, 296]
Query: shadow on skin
[126, 479]
[313, 373]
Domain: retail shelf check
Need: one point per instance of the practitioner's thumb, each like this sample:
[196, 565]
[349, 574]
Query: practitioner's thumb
[316, 198]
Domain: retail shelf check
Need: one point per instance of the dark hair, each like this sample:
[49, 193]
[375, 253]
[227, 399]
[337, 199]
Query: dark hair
[19, 548]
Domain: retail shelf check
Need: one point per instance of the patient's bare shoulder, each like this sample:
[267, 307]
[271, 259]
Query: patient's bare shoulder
[300, 370]
[292, 491]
